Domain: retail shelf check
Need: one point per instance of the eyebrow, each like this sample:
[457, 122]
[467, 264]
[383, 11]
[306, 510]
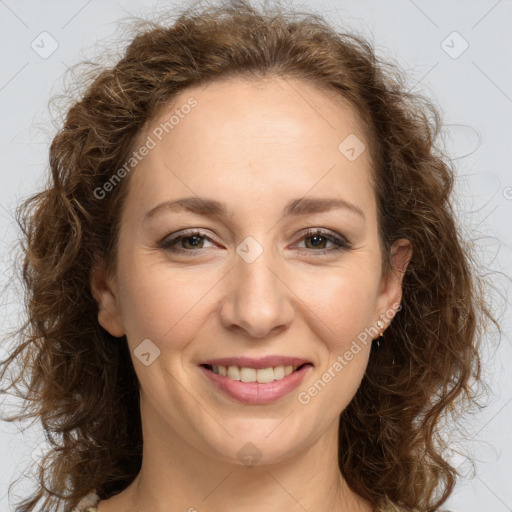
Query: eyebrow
[210, 207]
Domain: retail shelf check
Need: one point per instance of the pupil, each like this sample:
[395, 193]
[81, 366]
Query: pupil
[318, 239]
[196, 238]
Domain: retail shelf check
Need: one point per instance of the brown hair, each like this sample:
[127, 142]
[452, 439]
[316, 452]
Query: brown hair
[80, 381]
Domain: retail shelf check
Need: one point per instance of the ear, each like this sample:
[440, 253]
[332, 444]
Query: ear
[390, 294]
[103, 290]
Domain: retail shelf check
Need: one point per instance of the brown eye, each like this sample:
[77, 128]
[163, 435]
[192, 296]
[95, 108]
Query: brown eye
[188, 242]
[193, 242]
[318, 240]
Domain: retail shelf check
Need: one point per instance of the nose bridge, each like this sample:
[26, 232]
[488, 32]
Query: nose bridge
[257, 300]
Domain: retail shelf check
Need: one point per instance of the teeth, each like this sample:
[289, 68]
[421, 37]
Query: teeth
[278, 372]
[234, 372]
[261, 375]
[247, 374]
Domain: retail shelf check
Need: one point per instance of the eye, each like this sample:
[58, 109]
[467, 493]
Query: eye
[319, 237]
[193, 242]
[192, 238]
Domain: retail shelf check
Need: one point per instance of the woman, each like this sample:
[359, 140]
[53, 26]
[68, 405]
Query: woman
[190, 353]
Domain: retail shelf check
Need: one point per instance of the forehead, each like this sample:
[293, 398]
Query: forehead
[267, 138]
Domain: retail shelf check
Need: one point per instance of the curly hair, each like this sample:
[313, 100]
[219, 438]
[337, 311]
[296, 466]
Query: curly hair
[79, 381]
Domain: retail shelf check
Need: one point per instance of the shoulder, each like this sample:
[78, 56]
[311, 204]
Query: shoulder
[88, 503]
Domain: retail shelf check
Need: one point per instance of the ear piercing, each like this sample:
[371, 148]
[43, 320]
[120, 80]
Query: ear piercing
[380, 325]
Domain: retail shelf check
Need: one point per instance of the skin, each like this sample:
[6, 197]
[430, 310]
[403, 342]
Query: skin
[253, 145]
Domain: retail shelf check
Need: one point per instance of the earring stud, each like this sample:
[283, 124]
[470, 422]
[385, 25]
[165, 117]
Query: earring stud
[380, 325]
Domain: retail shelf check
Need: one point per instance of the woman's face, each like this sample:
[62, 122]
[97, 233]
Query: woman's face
[253, 283]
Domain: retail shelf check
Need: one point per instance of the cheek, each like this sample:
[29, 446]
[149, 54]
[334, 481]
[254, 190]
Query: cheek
[341, 309]
[162, 303]
[342, 304]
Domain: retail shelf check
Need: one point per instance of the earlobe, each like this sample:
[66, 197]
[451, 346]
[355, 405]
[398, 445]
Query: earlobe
[103, 290]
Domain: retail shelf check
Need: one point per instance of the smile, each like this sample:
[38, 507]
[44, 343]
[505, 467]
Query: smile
[255, 385]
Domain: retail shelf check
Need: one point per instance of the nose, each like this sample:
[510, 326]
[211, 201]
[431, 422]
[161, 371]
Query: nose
[257, 299]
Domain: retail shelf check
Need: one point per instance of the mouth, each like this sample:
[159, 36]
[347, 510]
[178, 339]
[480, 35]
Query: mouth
[250, 374]
[255, 381]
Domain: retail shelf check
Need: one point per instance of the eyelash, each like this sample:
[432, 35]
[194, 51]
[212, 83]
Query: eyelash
[341, 244]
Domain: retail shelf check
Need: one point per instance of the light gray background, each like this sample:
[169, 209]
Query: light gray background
[473, 90]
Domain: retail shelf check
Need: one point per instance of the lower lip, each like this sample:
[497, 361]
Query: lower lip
[254, 392]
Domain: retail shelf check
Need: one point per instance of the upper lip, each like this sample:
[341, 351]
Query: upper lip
[262, 362]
